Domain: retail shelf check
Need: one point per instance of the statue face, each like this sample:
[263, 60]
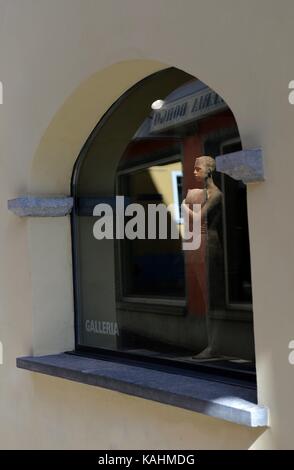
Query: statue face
[201, 169]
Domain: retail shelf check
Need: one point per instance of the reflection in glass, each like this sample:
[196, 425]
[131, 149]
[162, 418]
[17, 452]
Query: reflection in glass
[149, 297]
[153, 267]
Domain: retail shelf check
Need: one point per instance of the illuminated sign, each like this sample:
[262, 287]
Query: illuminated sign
[187, 109]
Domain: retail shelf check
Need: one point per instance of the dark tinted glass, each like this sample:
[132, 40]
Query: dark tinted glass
[142, 291]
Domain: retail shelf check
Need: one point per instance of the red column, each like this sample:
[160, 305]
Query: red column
[195, 260]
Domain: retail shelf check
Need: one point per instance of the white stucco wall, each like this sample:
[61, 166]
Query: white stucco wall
[62, 64]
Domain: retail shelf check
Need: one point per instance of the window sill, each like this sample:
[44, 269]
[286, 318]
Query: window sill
[224, 401]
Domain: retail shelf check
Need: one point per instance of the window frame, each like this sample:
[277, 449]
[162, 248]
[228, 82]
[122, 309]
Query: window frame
[246, 306]
[177, 213]
[216, 373]
[233, 311]
[164, 305]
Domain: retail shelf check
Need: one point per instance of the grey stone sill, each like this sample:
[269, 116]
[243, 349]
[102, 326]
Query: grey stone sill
[33, 206]
[224, 401]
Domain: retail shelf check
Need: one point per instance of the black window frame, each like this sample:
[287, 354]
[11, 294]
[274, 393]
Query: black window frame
[204, 370]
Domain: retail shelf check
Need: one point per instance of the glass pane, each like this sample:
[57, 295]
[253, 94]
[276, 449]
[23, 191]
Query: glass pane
[154, 267]
[146, 283]
[237, 237]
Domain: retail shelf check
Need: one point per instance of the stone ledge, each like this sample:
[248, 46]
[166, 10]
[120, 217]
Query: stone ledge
[32, 206]
[245, 165]
[220, 400]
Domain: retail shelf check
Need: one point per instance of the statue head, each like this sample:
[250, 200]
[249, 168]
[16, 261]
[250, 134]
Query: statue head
[203, 167]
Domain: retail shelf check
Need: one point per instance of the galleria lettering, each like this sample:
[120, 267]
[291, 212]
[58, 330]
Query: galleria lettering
[102, 327]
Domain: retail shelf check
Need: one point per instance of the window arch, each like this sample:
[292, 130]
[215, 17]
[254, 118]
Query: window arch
[147, 298]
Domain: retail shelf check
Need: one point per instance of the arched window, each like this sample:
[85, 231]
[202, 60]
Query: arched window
[145, 175]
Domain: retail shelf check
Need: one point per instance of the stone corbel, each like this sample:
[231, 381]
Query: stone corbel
[245, 165]
[33, 206]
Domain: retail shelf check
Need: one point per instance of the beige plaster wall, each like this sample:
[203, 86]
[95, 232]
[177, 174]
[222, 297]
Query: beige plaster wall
[62, 64]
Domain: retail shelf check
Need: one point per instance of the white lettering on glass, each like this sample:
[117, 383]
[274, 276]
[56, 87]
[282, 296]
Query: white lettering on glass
[102, 327]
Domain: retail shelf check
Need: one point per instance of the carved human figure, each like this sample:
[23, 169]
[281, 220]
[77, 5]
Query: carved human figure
[205, 263]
